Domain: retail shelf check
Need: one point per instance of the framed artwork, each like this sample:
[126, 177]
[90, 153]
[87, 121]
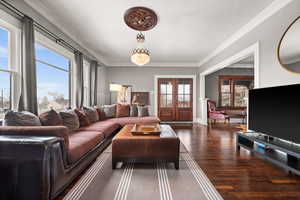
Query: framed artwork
[140, 98]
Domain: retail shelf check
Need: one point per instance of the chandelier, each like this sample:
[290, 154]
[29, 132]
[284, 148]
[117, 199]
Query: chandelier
[140, 56]
[140, 19]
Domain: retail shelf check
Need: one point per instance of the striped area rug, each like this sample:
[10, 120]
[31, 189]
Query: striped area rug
[140, 181]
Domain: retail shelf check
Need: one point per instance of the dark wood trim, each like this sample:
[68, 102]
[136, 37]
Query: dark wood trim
[177, 112]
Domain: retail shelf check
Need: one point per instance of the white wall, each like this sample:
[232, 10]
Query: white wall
[268, 34]
[142, 78]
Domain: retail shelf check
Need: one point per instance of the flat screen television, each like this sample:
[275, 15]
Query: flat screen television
[275, 111]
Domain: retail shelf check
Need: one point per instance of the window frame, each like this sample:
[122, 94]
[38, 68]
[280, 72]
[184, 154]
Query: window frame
[53, 46]
[13, 27]
[232, 80]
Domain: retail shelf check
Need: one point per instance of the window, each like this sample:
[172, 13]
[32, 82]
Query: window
[184, 93]
[166, 94]
[233, 91]
[53, 88]
[5, 73]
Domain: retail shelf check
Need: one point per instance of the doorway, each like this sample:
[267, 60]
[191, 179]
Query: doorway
[175, 99]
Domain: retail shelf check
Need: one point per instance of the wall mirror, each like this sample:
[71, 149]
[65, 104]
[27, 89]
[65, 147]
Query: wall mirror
[289, 47]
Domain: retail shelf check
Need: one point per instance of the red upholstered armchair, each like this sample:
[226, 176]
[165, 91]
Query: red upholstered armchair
[214, 114]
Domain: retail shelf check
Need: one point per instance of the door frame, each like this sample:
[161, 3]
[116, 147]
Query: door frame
[251, 50]
[194, 77]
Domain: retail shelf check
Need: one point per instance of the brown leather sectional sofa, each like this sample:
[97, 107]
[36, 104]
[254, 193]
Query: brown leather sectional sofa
[38, 163]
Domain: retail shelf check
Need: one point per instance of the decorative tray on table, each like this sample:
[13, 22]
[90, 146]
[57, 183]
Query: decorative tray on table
[146, 129]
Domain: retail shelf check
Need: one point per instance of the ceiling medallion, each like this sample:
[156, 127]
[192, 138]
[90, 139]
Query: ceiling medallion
[140, 18]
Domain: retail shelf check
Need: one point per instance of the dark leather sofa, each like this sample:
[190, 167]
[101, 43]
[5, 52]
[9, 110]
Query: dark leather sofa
[38, 163]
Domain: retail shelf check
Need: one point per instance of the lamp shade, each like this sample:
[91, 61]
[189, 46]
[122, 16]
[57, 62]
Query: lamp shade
[115, 87]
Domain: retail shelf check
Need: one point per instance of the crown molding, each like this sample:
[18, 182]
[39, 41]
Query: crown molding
[274, 7]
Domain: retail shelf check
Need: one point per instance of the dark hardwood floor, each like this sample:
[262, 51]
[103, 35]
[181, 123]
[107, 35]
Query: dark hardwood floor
[237, 174]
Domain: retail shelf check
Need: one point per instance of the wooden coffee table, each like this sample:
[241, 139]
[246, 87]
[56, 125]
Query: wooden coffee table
[145, 148]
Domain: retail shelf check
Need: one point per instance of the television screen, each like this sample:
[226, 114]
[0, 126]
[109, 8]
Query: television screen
[275, 111]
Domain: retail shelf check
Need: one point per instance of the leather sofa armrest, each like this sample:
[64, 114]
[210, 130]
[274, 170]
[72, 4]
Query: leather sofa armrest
[58, 131]
[25, 166]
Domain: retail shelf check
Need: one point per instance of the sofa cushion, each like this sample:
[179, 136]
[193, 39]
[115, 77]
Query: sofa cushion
[70, 119]
[122, 110]
[133, 120]
[83, 118]
[143, 111]
[13, 118]
[110, 111]
[51, 118]
[91, 113]
[81, 142]
[133, 110]
[100, 113]
[107, 127]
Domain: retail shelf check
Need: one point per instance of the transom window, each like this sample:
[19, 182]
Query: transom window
[233, 91]
[5, 73]
[53, 85]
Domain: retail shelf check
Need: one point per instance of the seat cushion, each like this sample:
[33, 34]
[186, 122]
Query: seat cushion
[107, 127]
[81, 142]
[133, 120]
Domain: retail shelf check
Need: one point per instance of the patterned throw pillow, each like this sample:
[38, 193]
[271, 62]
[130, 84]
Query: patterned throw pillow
[143, 111]
[83, 118]
[100, 112]
[110, 111]
[122, 110]
[51, 118]
[91, 113]
[133, 110]
[70, 119]
[13, 118]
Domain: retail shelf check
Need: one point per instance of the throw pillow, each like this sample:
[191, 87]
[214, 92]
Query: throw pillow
[83, 118]
[133, 110]
[143, 111]
[13, 118]
[101, 113]
[91, 113]
[110, 111]
[70, 119]
[122, 110]
[51, 118]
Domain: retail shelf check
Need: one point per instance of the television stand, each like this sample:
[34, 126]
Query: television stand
[280, 152]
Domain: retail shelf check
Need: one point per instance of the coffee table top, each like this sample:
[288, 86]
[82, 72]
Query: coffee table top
[166, 132]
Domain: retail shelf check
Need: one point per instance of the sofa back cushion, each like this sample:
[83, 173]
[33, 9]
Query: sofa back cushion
[51, 118]
[24, 118]
[101, 113]
[110, 111]
[143, 111]
[70, 119]
[91, 113]
[122, 110]
[83, 118]
[133, 110]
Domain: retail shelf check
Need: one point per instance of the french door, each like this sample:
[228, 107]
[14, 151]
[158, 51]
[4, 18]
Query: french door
[175, 99]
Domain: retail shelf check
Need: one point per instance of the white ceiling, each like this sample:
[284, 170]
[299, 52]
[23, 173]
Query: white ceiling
[186, 33]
